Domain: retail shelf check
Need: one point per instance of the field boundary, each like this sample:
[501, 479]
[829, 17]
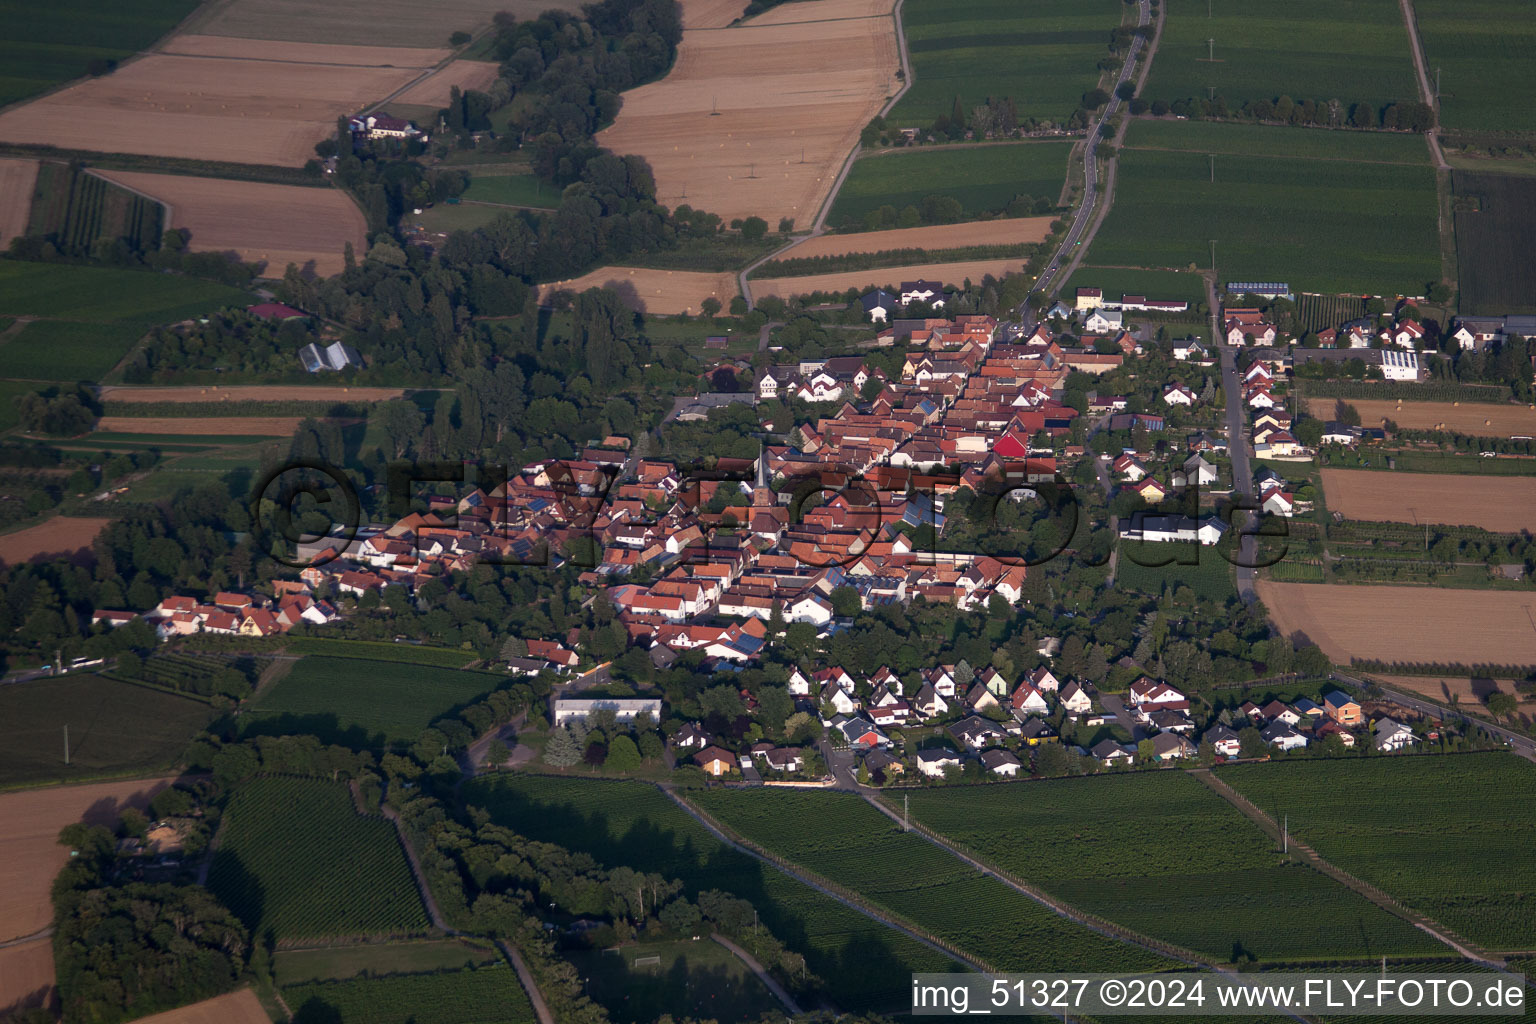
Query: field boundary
[165, 207]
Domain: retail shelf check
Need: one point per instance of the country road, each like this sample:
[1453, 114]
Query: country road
[1426, 95]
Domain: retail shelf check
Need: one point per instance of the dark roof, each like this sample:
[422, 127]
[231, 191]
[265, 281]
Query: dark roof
[275, 311]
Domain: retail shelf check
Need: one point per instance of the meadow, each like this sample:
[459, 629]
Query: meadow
[379, 650]
[297, 860]
[66, 350]
[512, 190]
[984, 180]
[867, 966]
[700, 980]
[1449, 836]
[292, 967]
[1210, 577]
[1483, 48]
[858, 847]
[46, 44]
[1350, 50]
[362, 702]
[114, 728]
[1161, 853]
[1495, 214]
[1330, 225]
[485, 995]
[1043, 55]
[1154, 284]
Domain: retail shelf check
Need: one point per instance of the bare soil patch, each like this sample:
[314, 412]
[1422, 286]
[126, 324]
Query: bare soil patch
[433, 91]
[1479, 419]
[17, 177]
[191, 45]
[242, 111]
[274, 224]
[822, 10]
[757, 120]
[249, 393]
[30, 855]
[1406, 623]
[947, 273]
[1009, 231]
[277, 426]
[57, 536]
[653, 291]
[711, 13]
[364, 22]
[240, 1007]
[1469, 691]
[1504, 504]
[26, 976]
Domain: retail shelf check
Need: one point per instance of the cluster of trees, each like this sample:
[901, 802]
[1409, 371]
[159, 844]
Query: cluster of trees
[1509, 364]
[172, 255]
[1411, 116]
[942, 209]
[230, 340]
[58, 411]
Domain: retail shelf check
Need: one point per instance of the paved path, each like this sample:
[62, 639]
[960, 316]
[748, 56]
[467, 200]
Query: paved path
[1237, 449]
[787, 1000]
[1426, 95]
[524, 975]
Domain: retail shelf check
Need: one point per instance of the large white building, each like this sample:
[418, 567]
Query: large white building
[624, 710]
[1399, 365]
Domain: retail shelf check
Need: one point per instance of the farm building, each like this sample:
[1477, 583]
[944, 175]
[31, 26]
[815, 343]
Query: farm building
[275, 311]
[336, 356]
[1266, 289]
[1399, 365]
[382, 126]
[625, 709]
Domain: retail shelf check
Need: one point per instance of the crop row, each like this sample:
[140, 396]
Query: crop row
[485, 995]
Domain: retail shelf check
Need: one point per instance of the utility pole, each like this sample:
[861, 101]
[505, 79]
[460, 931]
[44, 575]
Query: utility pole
[1207, 8]
[1210, 93]
[66, 743]
[1285, 834]
[906, 824]
[1210, 45]
[1212, 158]
[1437, 87]
[1213, 255]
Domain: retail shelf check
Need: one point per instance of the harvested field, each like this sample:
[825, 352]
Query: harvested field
[433, 91]
[1406, 623]
[30, 855]
[948, 273]
[1481, 419]
[16, 180]
[1010, 231]
[241, 426]
[1469, 691]
[756, 120]
[197, 108]
[249, 393]
[711, 13]
[56, 536]
[653, 291]
[822, 10]
[1503, 504]
[190, 45]
[273, 224]
[364, 22]
[240, 1007]
[26, 976]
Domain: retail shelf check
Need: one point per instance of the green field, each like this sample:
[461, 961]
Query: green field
[297, 860]
[984, 180]
[1161, 853]
[865, 965]
[856, 846]
[108, 295]
[363, 703]
[1042, 54]
[1494, 212]
[1349, 50]
[114, 727]
[45, 44]
[1483, 48]
[1446, 835]
[380, 650]
[1211, 577]
[1329, 225]
[486, 995]
[512, 190]
[64, 350]
[700, 980]
[75, 209]
[1154, 284]
[337, 963]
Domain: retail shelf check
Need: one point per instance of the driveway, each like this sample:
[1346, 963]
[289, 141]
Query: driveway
[1116, 706]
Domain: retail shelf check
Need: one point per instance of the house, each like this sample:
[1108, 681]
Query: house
[1224, 740]
[336, 356]
[1199, 471]
[1109, 753]
[625, 709]
[861, 733]
[842, 702]
[799, 684]
[1029, 701]
[976, 732]
[1392, 735]
[1276, 711]
[1307, 708]
[1102, 321]
[879, 304]
[691, 735]
[931, 292]
[1178, 394]
[1408, 334]
[1331, 728]
[1160, 529]
[1075, 699]
[1171, 721]
[1335, 432]
[275, 311]
[1190, 351]
[1342, 708]
[1089, 299]
[1170, 746]
[928, 703]
[382, 126]
[932, 763]
[1130, 468]
[1283, 736]
[1150, 491]
[112, 618]
[1042, 680]
[1260, 398]
[1148, 695]
[1001, 762]
[715, 761]
[883, 761]
[1248, 329]
[784, 759]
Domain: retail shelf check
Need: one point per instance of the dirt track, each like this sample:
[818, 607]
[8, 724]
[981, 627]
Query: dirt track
[272, 224]
[945, 273]
[57, 536]
[653, 291]
[1011, 231]
[1480, 419]
[277, 426]
[249, 393]
[17, 178]
[1503, 504]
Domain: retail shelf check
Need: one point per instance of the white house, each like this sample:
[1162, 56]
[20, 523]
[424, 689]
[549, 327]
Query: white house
[1102, 321]
[1198, 471]
[1392, 735]
[878, 305]
[1178, 394]
[1224, 740]
[1028, 700]
[1280, 735]
[1075, 699]
[1110, 753]
[1190, 351]
[933, 762]
[799, 684]
[1260, 398]
[1149, 695]
[839, 698]
[1001, 762]
[1042, 680]
[931, 292]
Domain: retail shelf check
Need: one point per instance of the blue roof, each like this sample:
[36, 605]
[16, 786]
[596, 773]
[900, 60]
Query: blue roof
[1338, 698]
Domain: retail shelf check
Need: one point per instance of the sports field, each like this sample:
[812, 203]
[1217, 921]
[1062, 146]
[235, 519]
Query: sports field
[663, 292]
[1494, 212]
[1501, 504]
[1042, 54]
[984, 180]
[1483, 50]
[1363, 219]
[45, 44]
[1355, 51]
[946, 273]
[1480, 419]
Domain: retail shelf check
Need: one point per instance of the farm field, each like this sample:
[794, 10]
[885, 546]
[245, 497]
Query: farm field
[860, 848]
[983, 180]
[335, 963]
[1273, 217]
[400, 23]
[297, 858]
[272, 224]
[46, 44]
[17, 176]
[1501, 504]
[66, 350]
[199, 426]
[1494, 211]
[665, 292]
[107, 295]
[1210, 577]
[362, 703]
[841, 281]
[1462, 856]
[241, 1007]
[113, 727]
[1162, 854]
[1406, 623]
[186, 44]
[30, 855]
[1442, 688]
[1484, 47]
[1042, 55]
[248, 393]
[867, 965]
[1356, 51]
[1154, 284]
[59, 535]
[701, 980]
[201, 108]
[1231, 139]
[75, 208]
[379, 650]
[486, 995]
[1008, 231]
[26, 975]
[511, 190]
[757, 120]
[434, 90]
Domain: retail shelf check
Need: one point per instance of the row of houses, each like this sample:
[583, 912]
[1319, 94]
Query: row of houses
[229, 613]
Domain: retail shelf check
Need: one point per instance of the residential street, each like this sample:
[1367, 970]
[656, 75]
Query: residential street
[1237, 448]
